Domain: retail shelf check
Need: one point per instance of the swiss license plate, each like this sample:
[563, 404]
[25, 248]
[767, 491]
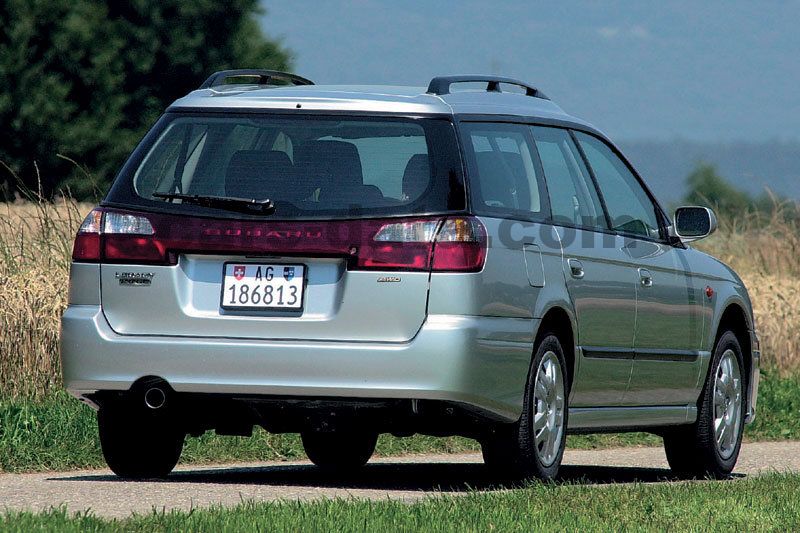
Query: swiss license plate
[256, 286]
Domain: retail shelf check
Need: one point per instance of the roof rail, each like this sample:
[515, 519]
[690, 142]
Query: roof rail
[440, 85]
[263, 77]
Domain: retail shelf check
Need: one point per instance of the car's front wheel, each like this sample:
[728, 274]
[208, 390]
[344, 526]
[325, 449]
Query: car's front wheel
[534, 446]
[137, 444]
[339, 451]
[710, 447]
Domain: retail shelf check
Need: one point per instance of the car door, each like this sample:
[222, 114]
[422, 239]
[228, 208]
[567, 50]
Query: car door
[601, 284]
[669, 321]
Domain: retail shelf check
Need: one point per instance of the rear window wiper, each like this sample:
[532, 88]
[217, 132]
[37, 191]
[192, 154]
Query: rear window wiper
[241, 205]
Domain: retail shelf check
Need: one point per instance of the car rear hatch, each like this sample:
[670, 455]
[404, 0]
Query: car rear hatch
[264, 226]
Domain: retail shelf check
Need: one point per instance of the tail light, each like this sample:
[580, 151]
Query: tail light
[460, 246]
[405, 245]
[449, 245]
[87, 241]
[116, 237]
[435, 244]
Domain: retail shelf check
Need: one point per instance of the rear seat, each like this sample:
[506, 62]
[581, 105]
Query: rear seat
[335, 167]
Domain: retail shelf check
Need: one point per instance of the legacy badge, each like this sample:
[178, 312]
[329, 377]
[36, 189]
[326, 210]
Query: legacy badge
[135, 279]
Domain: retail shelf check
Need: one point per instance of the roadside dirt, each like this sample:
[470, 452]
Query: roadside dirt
[403, 478]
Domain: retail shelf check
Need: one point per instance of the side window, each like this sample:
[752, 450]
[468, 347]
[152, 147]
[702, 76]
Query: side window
[630, 208]
[573, 198]
[505, 179]
[214, 155]
[181, 149]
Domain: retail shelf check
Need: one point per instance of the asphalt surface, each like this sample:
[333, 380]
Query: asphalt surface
[402, 478]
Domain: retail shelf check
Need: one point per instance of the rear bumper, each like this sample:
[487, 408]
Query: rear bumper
[478, 361]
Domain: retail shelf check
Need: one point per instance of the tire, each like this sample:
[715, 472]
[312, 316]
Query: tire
[533, 447]
[137, 444]
[699, 450]
[339, 451]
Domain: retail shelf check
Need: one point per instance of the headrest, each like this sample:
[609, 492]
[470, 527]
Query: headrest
[338, 159]
[416, 177]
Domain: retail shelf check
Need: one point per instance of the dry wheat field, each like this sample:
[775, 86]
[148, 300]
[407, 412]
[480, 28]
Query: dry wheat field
[36, 244]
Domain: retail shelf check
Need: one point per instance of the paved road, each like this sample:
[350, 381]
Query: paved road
[404, 478]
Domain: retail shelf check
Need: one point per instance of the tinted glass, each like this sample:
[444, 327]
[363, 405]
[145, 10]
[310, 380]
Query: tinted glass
[573, 198]
[629, 206]
[505, 179]
[307, 165]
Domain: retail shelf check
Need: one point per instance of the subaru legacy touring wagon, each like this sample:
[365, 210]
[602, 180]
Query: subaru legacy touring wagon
[341, 262]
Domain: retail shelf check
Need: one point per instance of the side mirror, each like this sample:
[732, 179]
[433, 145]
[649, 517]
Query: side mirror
[694, 223]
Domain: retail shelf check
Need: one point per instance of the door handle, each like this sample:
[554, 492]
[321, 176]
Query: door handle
[575, 268]
[646, 277]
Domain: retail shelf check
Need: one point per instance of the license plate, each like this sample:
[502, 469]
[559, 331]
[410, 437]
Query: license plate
[256, 286]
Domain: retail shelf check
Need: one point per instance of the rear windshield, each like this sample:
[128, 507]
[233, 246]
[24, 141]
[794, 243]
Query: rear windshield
[309, 166]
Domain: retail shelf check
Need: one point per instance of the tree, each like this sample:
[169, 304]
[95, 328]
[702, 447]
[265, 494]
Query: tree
[87, 78]
[708, 188]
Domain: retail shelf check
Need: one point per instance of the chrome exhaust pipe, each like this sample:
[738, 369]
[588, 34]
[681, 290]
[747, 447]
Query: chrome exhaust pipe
[155, 398]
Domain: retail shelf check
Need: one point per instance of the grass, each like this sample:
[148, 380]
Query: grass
[762, 249]
[35, 250]
[41, 428]
[60, 433]
[761, 503]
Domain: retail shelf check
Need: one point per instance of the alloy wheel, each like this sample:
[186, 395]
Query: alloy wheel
[548, 417]
[727, 404]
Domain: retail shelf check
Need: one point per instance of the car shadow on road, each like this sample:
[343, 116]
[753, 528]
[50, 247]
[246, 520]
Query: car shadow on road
[442, 477]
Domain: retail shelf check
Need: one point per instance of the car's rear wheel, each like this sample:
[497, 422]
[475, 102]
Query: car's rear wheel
[339, 451]
[137, 444]
[534, 446]
[710, 447]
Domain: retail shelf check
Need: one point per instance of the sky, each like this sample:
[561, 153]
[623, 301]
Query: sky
[710, 71]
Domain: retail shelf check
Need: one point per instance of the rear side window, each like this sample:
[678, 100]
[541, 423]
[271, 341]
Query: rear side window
[629, 206]
[309, 166]
[505, 178]
[573, 198]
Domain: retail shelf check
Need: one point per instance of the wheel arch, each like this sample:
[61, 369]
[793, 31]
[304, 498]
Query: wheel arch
[561, 323]
[734, 318]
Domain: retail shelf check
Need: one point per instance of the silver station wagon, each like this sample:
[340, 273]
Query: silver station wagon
[342, 262]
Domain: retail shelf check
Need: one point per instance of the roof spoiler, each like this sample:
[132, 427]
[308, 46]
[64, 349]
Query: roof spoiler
[440, 85]
[260, 77]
